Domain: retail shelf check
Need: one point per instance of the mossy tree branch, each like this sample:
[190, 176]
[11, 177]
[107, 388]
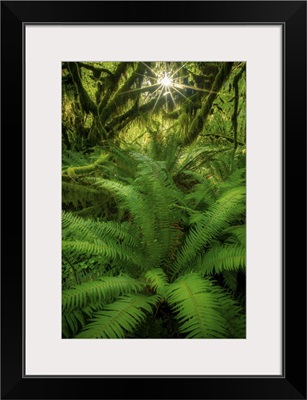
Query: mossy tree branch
[87, 104]
[121, 97]
[199, 121]
[124, 119]
[234, 118]
[96, 70]
[121, 69]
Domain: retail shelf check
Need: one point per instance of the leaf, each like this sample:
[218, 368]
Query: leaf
[119, 318]
[196, 307]
[220, 258]
[96, 291]
[157, 279]
[208, 225]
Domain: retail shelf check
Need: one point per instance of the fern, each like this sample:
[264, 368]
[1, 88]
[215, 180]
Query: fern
[81, 301]
[207, 226]
[109, 250]
[76, 227]
[196, 307]
[103, 290]
[231, 280]
[157, 226]
[162, 231]
[157, 280]
[237, 234]
[220, 258]
[119, 318]
[234, 316]
[203, 195]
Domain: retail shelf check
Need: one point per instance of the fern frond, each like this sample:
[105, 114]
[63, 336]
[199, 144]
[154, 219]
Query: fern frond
[96, 291]
[72, 322]
[237, 234]
[209, 225]
[157, 280]
[231, 280]
[196, 307]
[109, 250]
[220, 258]
[81, 229]
[119, 318]
[234, 315]
[203, 195]
[150, 200]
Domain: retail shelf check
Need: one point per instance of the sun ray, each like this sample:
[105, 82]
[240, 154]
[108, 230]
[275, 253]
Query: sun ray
[173, 87]
[198, 89]
[165, 94]
[157, 99]
[148, 93]
[143, 88]
[156, 89]
[171, 94]
[178, 69]
[145, 76]
[166, 83]
[151, 70]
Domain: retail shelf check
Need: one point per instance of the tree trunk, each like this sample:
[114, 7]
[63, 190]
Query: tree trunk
[199, 121]
[234, 118]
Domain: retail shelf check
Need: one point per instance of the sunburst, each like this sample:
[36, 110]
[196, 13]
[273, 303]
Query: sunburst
[163, 81]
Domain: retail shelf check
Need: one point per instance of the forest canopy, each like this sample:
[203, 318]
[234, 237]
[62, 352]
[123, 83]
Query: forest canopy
[153, 199]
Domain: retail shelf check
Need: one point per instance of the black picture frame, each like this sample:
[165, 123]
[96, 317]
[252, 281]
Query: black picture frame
[292, 16]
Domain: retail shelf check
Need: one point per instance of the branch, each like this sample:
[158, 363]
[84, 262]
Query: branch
[131, 114]
[202, 114]
[87, 104]
[234, 118]
[121, 68]
[229, 139]
[96, 70]
[121, 96]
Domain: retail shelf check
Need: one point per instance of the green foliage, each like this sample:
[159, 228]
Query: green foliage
[157, 280]
[221, 258]
[196, 306]
[83, 299]
[153, 229]
[119, 318]
[157, 240]
[205, 227]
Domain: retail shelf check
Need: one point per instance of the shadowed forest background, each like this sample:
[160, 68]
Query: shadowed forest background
[153, 199]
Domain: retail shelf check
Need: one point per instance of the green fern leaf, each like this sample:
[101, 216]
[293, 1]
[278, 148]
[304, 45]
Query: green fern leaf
[119, 318]
[110, 250]
[234, 316]
[157, 280]
[96, 291]
[209, 225]
[196, 307]
[231, 280]
[237, 234]
[77, 228]
[231, 257]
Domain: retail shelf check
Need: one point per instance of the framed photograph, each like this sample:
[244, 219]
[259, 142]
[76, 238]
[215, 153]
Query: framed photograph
[158, 181]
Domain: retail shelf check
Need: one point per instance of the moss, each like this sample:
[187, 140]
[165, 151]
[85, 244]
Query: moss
[74, 171]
